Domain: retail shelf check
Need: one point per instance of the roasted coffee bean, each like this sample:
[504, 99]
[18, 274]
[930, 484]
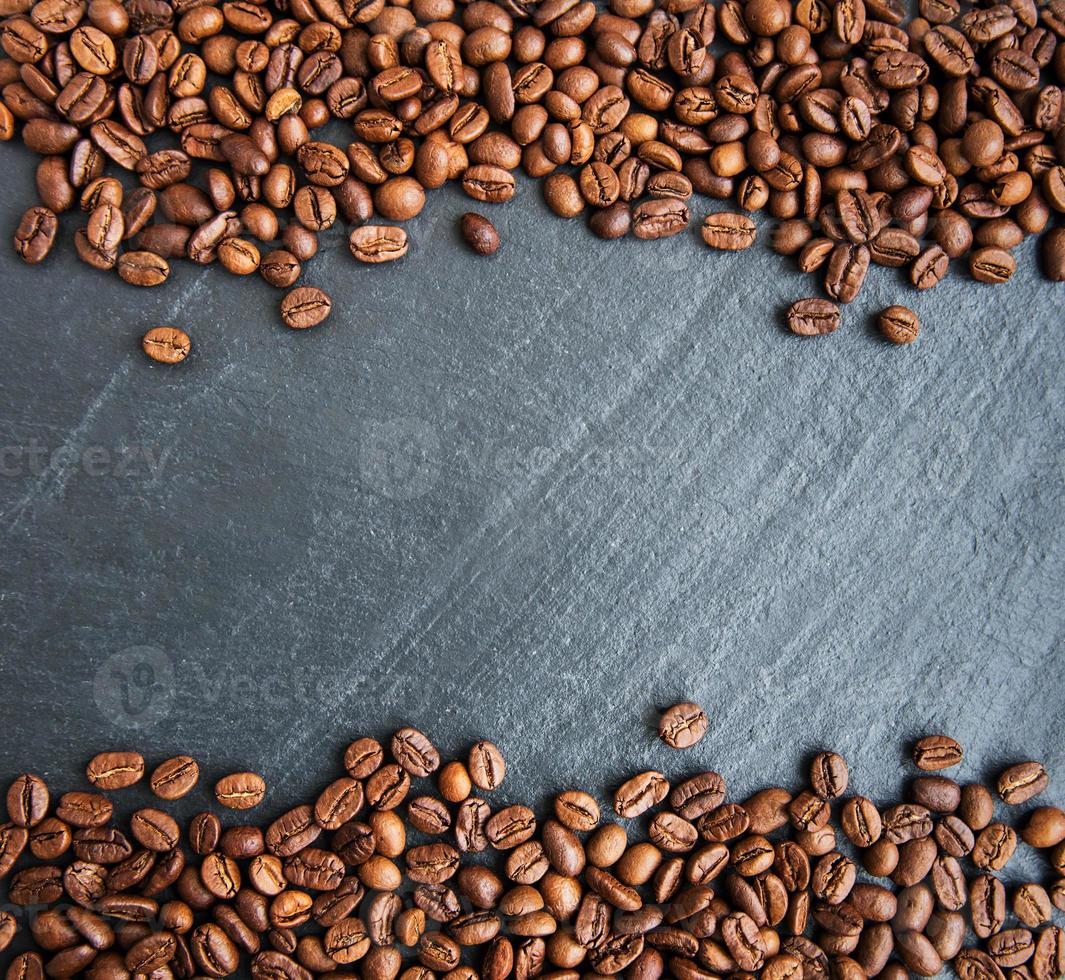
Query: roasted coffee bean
[143, 269]
[240, 790]
[35, 235]
[479, 233]
[27, 800]
[728, 232]
[305, 306]
[374, 244]
[682, 725]
[280, 268]
[154, 829]
[659, 218]
[1021, 782]
[898, 324]
[486, 766]
[166, 344]
[812, 317]
[175, 777]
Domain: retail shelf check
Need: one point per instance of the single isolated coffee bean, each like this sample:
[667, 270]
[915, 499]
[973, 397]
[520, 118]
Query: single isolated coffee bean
[682, 725]
[479, 233]
[900, 326]
[813, 317]
[305, 306]
[168, 345]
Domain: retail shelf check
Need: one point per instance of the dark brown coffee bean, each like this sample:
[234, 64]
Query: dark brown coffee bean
[27, 800]
[479, 233]
[35, 235]
[280, 268]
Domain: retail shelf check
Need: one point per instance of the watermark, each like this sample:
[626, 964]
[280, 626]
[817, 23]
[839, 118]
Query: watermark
[400, 458]
[35, 458]
[142, 686]
[134, 688]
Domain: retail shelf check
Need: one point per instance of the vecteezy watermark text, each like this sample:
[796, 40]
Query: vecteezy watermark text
[35, 458]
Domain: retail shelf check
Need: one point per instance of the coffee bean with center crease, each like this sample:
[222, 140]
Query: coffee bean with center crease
[175, 777]
[27, 800]
[168, 345]
[935, 752]
[486, 765]
[154, 829]
[813, 317]
[374, 244]
[899, 324]
[142, 268]
[240, 790]
[845, 272]
[35, 235]
[1022, 782]
[412, 750]
[305, 306]
[682, 725]
[115, 770]
[659, 218]
[728, 231]
[280, 268]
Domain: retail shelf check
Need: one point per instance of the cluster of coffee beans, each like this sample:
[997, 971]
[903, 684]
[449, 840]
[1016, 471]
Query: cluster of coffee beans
[379, 879]
[873, 137]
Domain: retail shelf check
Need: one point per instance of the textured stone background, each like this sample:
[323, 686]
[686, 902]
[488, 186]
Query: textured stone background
[528, 498]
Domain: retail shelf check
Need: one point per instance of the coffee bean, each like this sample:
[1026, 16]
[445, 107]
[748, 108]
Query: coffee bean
[280, 268]
[305, 306]
[1020, 783]
[659, 218]
[415, 752]
[935, 752]
[828, 775]
[175, 777]
[154, 829]
[682, 725]
[812, 317]
[115, 770]
[1045, 827]
[640, 793]
[168, 345]
[900, 326]
[1053, 253]
[486, 765]
[991, 265]
[240, 790]
[728, 231]
[35, 235]
[374, 244]
[27, 800]
[479, 233]
[143, 268]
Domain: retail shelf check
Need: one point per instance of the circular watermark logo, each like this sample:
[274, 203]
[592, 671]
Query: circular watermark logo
[400, 458]
[134, 688]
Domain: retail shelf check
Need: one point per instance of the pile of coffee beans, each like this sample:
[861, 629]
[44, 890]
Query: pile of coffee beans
[872, 136]
[408, 866]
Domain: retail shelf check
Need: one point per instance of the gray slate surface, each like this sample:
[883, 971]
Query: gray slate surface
[528, 498]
